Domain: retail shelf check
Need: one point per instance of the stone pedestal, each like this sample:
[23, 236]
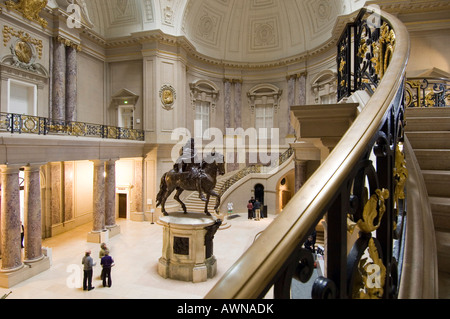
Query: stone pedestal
[10, 278]
[187, 253]
[98, 237]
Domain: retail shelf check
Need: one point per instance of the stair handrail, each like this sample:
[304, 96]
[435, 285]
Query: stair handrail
[275, 256]
[255, 169]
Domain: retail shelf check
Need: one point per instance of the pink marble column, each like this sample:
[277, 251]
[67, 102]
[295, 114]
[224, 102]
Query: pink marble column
[71, 84]
[99, 197]
[10, 219]
[59, 81]
[32, 214]
[110, 194]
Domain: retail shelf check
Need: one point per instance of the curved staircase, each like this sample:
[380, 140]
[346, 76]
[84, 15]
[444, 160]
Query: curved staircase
[428, 130]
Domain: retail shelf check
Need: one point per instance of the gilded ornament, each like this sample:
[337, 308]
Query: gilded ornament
[373, 210]
[383, 50]
[30, 9]
[373, 274]
[23, 52]
[400, 175]
[9, 32]
[168, 96]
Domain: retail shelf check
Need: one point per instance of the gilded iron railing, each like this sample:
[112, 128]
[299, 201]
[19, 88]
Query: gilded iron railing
[255, 169]
[427, 92]
[358, 187]
[19, 123]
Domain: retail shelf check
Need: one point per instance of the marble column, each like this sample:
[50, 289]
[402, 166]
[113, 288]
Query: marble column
[301, 83]
[300, 174]
[110, 194]
[237, 103]
[59, 81]
[71, 84]
[10, 219]
[291, 102]
[99, 196]
[32, 214]
[227, 102]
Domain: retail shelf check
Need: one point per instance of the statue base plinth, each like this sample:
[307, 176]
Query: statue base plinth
[187, 247]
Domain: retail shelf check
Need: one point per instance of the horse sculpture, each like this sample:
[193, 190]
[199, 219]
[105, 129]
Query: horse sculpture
[201, 178]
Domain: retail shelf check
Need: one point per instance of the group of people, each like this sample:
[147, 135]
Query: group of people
[254, 209]
[106, 261]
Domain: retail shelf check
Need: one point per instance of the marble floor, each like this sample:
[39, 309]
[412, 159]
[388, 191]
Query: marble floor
[136, 251]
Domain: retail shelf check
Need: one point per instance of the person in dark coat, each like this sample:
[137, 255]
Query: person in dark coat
[107, 262]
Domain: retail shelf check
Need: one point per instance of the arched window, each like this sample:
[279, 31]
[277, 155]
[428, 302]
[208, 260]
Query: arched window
[204, 96]
[324, 87]
[264, 103]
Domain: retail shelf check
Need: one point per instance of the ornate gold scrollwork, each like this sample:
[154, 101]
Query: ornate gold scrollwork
[24, 37]
[373, 274]
[383, 49]
[370, 214]
[30, 9]
[400, 176]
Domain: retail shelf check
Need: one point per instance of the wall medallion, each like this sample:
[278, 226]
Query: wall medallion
[168, 96]
[24, 54]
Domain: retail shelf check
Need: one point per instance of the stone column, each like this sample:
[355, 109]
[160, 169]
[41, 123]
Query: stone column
[237, 103]
[99, 196]
[291, 102]
[227, 115]
[10, 219]
[71, 84]
[59, 81]
[110, 194]
[301, 82]
[300, 174]
[99, 233]
[32, 214]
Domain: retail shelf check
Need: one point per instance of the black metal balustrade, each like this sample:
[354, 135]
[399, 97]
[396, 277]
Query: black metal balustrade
[19, 123]
[427, 92]
[359, 187]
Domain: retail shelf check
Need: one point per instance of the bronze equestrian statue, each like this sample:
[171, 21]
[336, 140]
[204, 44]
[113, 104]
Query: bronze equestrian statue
[189, 173]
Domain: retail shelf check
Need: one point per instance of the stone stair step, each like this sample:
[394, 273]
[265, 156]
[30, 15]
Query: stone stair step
[443, 249]
[440, 208]
[415, 124]
[444, 285]
[427, 112]
[436, 159]
[429, 139]
[437, 182]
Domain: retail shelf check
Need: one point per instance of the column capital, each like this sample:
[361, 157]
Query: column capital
[9, 169]
[98, 162]
[34, 166]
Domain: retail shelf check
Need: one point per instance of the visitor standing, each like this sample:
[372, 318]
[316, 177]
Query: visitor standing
[101, 254]
[107, 262]
[22, 234]
[253, 203]
[257, 208]
[88, 263]
[250, 209]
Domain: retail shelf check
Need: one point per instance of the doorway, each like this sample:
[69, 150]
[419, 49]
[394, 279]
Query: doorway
[123, 206]
[259, 193]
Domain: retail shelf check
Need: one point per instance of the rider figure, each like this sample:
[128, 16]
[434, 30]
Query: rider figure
[189, 162]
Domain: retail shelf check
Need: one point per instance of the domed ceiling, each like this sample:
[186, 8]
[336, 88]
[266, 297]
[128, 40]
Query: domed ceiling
[231, 30]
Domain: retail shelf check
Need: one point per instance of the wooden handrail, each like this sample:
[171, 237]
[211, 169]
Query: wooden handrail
[250, 275]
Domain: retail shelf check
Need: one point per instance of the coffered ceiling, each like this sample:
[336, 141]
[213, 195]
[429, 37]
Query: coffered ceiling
[232, 30]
